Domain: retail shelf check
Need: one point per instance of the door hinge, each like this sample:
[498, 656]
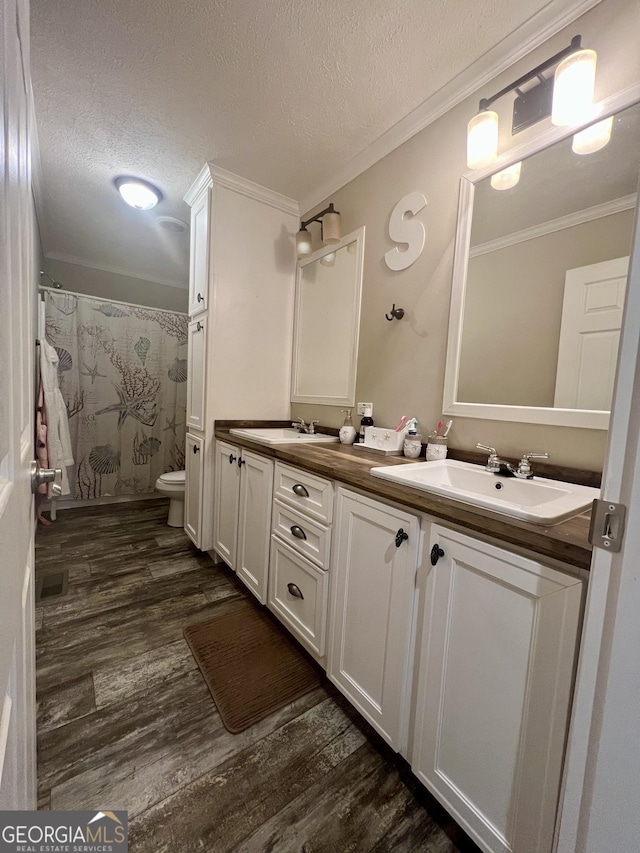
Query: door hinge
[607, 525]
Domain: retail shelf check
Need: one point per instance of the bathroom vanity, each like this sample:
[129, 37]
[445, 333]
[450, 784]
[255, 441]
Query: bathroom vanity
[453, 630]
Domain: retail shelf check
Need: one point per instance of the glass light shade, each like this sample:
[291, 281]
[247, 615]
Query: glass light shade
[573, 88]
[303, 243]
[506, 178]
[482, 139]
[331, 228]
[328, 260]
[138, 194]
[593, 138]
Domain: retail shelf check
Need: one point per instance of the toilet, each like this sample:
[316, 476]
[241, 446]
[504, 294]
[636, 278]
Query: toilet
[171, 485]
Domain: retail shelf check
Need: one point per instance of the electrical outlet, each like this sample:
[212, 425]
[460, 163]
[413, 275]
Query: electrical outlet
[361, 407]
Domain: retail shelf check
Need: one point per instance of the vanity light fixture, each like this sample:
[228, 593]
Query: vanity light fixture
[329, 219]
[138, 193]
[567, 98]
[507, 178]
[592, 138]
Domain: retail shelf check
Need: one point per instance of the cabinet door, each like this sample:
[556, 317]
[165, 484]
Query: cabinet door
[254, 522]
[194, 479]
[495, 679]
[226, 499]
[373, 585]
[199, 254]
[196, 354]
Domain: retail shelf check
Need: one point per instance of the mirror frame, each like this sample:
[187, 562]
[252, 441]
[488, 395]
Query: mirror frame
[584, 418]
[356, 237]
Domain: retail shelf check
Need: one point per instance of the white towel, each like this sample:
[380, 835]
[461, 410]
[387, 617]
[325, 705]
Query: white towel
[58, 438]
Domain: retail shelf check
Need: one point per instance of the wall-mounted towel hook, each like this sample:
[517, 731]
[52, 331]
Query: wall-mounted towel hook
[396, 313]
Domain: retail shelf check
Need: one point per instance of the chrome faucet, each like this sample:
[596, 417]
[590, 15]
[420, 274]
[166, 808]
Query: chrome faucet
[312, 427]
[300, 425]
[494, 461]
[522, 472]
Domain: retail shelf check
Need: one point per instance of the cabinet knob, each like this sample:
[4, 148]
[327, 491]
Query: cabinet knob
[200, 297]
[196, 448]
[241, 462]
[401, 536]
[199, 326]
[436, 553]
[298, 532]
[232, 459]
[300, 490]
[295, 590]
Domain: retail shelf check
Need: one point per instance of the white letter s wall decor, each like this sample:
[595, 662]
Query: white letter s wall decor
[409, 231]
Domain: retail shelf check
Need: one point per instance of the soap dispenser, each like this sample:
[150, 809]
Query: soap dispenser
[347, 430]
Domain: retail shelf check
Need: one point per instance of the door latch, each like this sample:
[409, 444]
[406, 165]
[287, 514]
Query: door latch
[607, 525]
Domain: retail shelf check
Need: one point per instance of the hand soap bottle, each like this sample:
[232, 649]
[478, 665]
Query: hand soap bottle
[412, 440]
[347, 430]
[367, 421]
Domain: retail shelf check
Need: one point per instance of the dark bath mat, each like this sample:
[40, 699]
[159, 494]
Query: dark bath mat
[251, 666]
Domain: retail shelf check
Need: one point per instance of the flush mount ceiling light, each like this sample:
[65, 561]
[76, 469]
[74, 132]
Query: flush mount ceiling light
[171, 224]
[138, 193]
[567, 97]
[329, 218]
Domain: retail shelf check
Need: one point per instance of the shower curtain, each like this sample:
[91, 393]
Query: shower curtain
[122, 373]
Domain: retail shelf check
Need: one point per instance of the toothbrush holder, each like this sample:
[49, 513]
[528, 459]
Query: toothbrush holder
[436, 448]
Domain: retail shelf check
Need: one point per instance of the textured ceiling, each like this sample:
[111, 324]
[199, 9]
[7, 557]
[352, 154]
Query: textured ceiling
[282, 92]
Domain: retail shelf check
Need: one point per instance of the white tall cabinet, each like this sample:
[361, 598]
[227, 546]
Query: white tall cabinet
[241, 289]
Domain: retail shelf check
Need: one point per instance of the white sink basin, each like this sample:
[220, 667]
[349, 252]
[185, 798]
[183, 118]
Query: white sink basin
[281, 435]
[539, 501]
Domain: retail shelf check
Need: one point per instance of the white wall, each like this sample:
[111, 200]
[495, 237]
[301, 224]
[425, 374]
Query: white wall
[110, 285]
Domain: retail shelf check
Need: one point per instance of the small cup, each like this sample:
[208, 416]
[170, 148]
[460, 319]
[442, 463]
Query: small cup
[436, 448]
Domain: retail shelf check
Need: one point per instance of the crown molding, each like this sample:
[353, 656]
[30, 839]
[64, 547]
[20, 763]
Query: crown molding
[578, 217]
[223, 178]
[200, 185]
[83, 262]
[555, 16]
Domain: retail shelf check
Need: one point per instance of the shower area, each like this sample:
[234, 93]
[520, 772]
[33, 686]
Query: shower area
[122, 372]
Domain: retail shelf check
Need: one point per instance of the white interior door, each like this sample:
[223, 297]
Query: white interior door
[17, 345]
[590, 335]
[599, 807]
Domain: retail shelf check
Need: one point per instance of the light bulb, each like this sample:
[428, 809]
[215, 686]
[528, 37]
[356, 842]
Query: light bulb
[482, 139]
[138, 194]
[593, 138]
[506, 178]
[573, 88]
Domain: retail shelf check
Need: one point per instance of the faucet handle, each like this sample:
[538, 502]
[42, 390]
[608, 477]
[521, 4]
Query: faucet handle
[493, 462]
[524, 468]
[486, 447]
[312, 425]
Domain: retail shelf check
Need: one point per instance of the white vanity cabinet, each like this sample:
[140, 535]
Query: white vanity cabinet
[240, 353]
[300, 555]
[495, 672]
[373, 571]
[243, 489]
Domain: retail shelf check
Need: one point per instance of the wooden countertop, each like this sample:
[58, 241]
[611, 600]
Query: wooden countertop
[566, 541]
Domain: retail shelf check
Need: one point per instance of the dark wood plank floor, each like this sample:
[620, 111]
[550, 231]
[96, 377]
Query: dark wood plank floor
[125, 720]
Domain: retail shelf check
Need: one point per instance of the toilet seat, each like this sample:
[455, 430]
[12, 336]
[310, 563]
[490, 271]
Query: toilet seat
[173, 478]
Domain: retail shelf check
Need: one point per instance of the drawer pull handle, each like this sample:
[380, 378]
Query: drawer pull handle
[298, 532]
[241, 462]
[199, 326]
[436, 553]
[196, 448]
[300, 490]
[200, 298]
[295, 591]
[232, 459]
[401, 536]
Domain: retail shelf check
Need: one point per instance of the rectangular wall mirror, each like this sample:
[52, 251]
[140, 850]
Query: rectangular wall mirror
[327, 322]
[539, 285]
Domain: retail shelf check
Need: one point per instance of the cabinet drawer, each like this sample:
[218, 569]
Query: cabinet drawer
[308, 493]
[306, 536]
[298, 595]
